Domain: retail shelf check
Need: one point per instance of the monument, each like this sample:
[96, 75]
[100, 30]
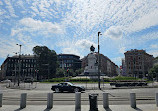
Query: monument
[92, 68]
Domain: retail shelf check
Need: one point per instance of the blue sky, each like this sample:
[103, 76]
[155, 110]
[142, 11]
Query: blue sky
[71, 26]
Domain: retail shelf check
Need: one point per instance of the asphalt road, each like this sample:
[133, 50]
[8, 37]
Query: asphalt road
[38, 96]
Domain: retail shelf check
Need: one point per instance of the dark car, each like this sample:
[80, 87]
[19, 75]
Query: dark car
[67, 86]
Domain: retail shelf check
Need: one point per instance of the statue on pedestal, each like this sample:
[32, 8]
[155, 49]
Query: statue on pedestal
[92, 67]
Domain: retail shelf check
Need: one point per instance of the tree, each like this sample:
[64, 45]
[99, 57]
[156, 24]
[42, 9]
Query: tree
[46, 62]
[60, 72]
[79, 71]
[153, 72]
[69, 72]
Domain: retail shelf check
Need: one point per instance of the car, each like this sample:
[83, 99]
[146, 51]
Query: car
[67, 86]
[6, 81]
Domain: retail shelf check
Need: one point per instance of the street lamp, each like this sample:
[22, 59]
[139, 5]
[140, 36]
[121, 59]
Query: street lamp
[99, 33]
[19, 64]
[15, 75]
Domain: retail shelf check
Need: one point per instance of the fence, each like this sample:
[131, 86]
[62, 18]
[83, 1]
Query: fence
[22, 85]
[23, 100]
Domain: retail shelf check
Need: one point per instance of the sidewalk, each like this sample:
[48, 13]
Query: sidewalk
[141, 107]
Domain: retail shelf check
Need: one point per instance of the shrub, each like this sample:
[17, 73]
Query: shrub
[124, 78]
[80, 80]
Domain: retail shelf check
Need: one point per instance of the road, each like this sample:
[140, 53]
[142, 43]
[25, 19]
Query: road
[38, 96]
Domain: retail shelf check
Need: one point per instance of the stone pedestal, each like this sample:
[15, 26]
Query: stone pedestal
[92, 68]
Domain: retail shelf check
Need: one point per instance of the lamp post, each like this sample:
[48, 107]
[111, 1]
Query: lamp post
[99, 33]
[19, 64]
[15, 68]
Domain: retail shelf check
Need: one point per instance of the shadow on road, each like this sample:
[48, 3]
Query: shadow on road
[68, 92]
[18, 109]
[47, 109]
[137, 109]
[107, 109]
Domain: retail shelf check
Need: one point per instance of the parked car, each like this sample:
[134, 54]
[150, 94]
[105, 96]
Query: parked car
[67, 86]
[6, 81]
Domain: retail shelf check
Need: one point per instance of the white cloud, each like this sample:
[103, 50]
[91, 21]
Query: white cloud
[69, 51]
[154, 46]
[10, 8]
[122, 50]
[78, 47]
[85, 44]
[41, 27]
[47, 8]
[8, 46]
[72, 50]
[146, 21]
[114, 32]
[153, 52]
[149, 36]
[131, 16]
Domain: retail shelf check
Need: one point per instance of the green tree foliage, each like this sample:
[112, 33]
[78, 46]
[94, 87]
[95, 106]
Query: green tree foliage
[153, 72]
[70, 72]
[60, 72]
[79, 71]
[46, 61]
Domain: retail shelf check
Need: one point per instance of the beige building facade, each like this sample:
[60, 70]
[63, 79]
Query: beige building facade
[138, 63]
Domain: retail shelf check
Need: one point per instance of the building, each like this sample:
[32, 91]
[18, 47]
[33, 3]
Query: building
[69, 61]
[138, 63]
[27, 67]
[1, 76]
[107, 67]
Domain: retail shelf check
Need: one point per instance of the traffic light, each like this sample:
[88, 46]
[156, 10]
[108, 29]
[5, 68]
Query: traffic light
[67, 70]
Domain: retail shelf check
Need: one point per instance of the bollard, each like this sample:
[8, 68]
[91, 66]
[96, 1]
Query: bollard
[49, 100]
[105, 100]
[1, 95]
[133, 100]
[156, 99]
[23, 100]
[78, 101]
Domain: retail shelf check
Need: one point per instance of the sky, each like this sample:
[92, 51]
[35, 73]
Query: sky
[72, 26]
